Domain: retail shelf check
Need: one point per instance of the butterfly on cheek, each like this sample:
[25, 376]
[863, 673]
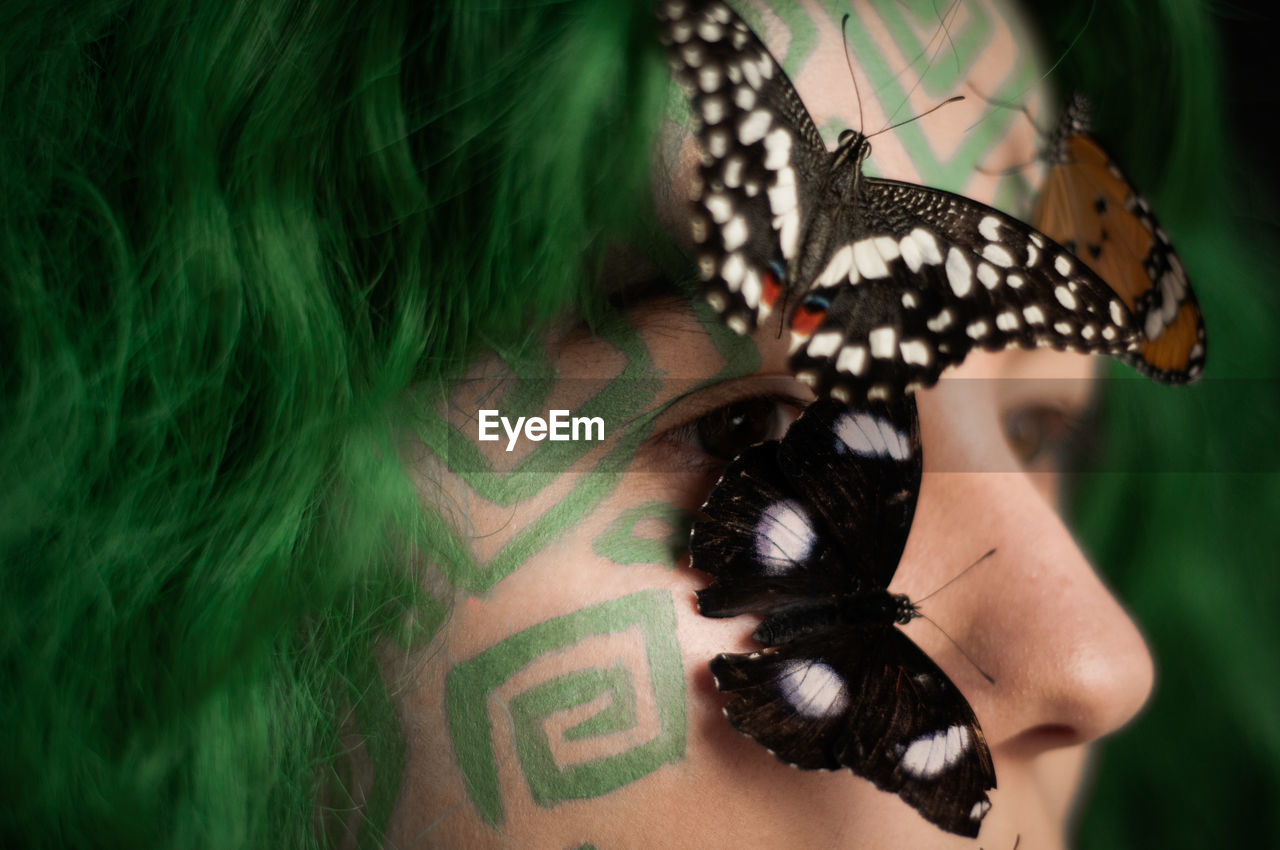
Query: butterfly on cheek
[1091, 207]
[881, 284]
[807, 532]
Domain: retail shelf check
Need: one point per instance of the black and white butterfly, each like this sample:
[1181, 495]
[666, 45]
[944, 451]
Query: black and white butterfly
[885, 283]
[807, 533]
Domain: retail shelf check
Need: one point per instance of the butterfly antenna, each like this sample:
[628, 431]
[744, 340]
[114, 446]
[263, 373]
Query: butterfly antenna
[930, 111]
[848, 61]
[957, 576]
[967, 656]
[945, 29]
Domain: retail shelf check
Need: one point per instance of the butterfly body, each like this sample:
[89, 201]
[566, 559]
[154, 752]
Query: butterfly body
[870, 608]
[807, 533]
[884, 283]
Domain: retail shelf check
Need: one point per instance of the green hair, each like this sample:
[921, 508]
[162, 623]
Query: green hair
[234, 236]
[241, 241]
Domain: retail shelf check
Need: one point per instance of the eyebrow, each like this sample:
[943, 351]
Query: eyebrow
[638, 292]
[630, 277]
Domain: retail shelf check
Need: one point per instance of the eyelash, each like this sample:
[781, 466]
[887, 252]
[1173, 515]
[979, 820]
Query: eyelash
[691, 438]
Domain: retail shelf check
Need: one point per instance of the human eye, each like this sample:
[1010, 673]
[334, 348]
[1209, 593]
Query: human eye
[708, 433]
[1044, 435]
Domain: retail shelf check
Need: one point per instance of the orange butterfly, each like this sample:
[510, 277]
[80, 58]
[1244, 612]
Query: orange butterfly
[1092, 209]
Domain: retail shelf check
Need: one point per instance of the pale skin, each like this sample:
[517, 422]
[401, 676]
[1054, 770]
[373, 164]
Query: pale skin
[567, 700]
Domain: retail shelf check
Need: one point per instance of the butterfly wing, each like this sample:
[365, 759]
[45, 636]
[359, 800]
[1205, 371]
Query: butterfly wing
[796, 531]
[825, 512]
[868, 699]
[926, 276]
[1092, 208]
[762, 157]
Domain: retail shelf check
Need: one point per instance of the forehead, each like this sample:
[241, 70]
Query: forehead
[896, 60]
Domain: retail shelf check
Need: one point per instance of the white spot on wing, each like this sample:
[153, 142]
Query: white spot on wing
[998, 254]
[929, 250]
[1064, 296]
[911, 253]
[824, 344]
[1117, 312]
[732, 270]
[788, 227]
[719, 206]
[777, 146]
[784, 537]
[868, 435]
[713, 109]
[868, 260]
[887, 248]
[718, 143]
[852, 359]
[940, 322]
[709, 30]
[754, 126]
[838, 269]
[990, 277]
[959, 274]
[751, 290]
[812, 688]
[883, 342]
[782, 193]
[734, 233]
[733, 171]
[914, 351]
[931, 754]
[989, 227]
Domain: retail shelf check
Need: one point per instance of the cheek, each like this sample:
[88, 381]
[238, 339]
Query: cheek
[573, 702]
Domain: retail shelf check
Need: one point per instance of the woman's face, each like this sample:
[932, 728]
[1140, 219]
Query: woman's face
[566, 702]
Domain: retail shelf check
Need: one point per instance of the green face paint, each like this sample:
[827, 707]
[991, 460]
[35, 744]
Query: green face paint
[622, 543]
[649, 619]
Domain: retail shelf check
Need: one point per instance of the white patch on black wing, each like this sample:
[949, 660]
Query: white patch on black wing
[870, 436]
[784, 537]
[932, 754]
[812, 689]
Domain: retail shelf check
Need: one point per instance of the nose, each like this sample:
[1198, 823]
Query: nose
[1069, 663]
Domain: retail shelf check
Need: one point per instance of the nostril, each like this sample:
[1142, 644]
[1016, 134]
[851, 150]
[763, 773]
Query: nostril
[1046, 736]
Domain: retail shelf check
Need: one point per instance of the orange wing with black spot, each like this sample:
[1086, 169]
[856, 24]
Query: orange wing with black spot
[1092, 209]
